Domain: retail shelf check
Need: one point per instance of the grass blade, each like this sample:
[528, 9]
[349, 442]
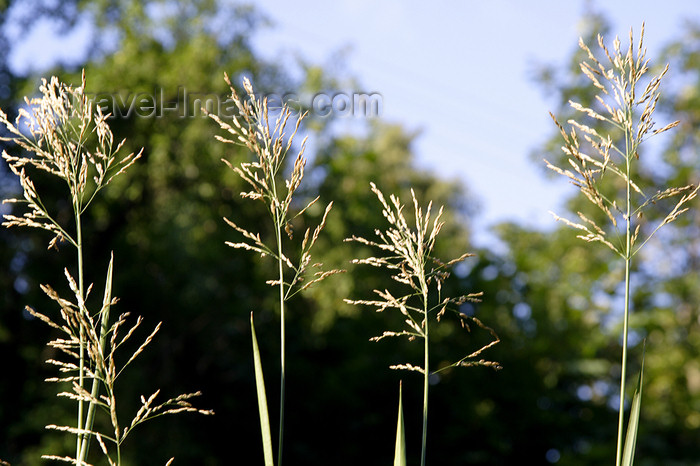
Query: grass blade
[262, 399]
[400, 450]
[633, 423]
[104, 330]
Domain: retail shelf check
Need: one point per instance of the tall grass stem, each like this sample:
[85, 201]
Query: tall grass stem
[625, 323]
[81, 438]
[426, 374]
[283, 372]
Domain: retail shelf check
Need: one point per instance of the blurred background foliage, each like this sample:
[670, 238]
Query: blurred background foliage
[553, 299]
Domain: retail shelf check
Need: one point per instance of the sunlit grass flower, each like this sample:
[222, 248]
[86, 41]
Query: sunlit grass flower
[269, 142]
[407, 253]
[63, 134]
[626, 113]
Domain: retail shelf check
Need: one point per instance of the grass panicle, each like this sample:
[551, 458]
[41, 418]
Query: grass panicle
[69, 138]
[406, 252]
[61, 133]
[629, 118]
[270, 140]
[101, 340]
[625, 107]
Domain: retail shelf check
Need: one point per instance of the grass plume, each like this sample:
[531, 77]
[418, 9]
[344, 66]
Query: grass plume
[625, 108]
[270, 141]
[63, 134]
[406, 252]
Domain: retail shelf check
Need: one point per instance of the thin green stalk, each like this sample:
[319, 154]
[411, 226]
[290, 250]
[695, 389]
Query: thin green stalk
[625, 325]
[279, 220]
[104, 323]
[426, 374]
[81, 380]
[282, 343]
[620, 425]
[119, 453]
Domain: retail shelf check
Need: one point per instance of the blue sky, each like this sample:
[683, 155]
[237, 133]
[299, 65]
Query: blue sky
[459, 72]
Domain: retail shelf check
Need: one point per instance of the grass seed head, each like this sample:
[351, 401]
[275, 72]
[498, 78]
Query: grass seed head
[618, 75]
[407, 253]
